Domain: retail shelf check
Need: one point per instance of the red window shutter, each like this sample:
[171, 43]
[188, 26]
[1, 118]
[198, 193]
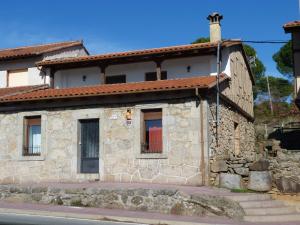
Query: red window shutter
[155, 139]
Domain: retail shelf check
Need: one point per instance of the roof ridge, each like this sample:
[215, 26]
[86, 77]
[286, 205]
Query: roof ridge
[132, 52]
[40, 45]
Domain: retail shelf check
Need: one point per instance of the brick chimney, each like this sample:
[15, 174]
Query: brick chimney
[215, 26]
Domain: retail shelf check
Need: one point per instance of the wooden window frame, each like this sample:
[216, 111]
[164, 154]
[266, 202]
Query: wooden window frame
[150, 114]
[116, 77]
[164, 75]
[30, 121]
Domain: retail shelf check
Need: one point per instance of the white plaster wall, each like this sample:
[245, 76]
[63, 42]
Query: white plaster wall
[74, 77]
[2, 79]
[135, 72]
[177, 68]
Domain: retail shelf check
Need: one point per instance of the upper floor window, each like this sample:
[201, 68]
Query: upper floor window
[17, 77]
[152, 140]
[32, 136]
[115, 79]
[151, 76]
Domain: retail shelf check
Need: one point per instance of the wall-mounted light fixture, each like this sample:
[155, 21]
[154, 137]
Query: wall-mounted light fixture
[128, 114]
[84, 78]
[188, 69]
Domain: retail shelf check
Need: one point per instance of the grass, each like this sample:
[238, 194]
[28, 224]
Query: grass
[242, 191]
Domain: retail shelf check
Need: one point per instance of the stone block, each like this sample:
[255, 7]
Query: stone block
[288, 184]
[230, 181]
[242, 171]
[260, 181]
[260, 165]
[219, 166]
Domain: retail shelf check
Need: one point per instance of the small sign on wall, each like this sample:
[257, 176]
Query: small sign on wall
[113, 117]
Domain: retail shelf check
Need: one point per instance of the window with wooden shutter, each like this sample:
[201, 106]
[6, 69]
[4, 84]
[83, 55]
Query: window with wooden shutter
[17, 78]
[32, 136]
[152, 139]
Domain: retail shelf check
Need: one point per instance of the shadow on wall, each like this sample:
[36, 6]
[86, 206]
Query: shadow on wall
[289, 138]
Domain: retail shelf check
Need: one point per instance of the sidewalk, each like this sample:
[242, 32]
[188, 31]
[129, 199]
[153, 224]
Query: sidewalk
[116, 215]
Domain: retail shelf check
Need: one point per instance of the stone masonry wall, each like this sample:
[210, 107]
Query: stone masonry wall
[120, 157]
[162, 200]
[285, 168]
[223, 155]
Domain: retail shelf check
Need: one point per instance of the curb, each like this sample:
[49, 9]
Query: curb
[101, 217]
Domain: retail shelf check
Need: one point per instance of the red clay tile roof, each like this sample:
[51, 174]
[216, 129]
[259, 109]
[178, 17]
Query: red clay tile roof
[10, 91]
[35, 50]
[202, 82]
[289, 26]
[144, 52]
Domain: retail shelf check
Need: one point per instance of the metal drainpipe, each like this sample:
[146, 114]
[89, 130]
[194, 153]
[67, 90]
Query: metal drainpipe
[218, 90]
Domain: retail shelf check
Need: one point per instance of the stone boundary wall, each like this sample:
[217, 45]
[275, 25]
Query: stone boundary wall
[285, 168]
[224, 158]
[168, 201]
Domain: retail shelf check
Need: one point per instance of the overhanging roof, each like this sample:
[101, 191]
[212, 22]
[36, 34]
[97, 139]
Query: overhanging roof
[201, 82]
[35, 50]
[138, 55]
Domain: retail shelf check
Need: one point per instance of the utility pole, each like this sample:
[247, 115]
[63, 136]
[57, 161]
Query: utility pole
[270, 97]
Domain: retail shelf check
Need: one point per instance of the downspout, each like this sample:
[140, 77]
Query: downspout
[219, 61]
[202, 155]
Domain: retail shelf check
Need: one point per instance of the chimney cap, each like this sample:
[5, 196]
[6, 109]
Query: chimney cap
[215, 17]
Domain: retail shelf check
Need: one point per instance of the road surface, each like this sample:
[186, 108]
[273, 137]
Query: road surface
[25, 219]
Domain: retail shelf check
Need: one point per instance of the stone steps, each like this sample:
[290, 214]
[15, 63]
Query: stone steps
[261, 208]
[270, 211]
[249, 197]
[261, 204]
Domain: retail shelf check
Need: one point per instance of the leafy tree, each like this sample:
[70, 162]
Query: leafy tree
[258, 68]
[283, 59]
[280, 88]
[201, 40]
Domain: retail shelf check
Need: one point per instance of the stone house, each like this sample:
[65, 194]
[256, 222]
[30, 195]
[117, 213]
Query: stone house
[179, 114]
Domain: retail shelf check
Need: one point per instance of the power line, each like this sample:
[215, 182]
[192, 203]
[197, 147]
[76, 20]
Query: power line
[258, 41]
[267, 42]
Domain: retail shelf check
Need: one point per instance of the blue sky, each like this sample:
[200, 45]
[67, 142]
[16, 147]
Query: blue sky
[119, 25]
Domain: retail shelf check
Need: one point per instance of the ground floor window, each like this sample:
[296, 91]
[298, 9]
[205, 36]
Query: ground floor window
[152, 140]
[32, 136]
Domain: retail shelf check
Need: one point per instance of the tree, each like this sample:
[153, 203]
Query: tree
[284, 61]
[281, 88]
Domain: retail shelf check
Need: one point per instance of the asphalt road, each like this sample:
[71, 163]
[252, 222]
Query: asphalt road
[24, 219]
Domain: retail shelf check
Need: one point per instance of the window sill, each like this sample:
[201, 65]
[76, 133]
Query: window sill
[151, 156]
[32, 158]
